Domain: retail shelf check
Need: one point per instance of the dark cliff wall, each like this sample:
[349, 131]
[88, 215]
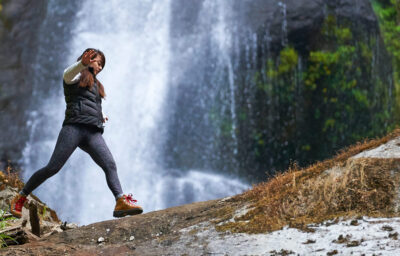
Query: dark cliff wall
[19, 26]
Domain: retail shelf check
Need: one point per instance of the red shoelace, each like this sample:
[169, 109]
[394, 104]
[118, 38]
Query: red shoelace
[130, 199]
[20, 203]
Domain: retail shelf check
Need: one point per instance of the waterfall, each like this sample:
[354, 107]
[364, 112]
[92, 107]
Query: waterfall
[282, 5]
[224, 42]
[135, 38]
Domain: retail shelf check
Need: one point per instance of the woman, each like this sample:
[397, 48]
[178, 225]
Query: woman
[82, 127]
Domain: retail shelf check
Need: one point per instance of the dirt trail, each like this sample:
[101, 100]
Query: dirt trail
[152, 233]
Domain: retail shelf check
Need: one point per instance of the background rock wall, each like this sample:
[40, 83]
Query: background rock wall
[19, 26]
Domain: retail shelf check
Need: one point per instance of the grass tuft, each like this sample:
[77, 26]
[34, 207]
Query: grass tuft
[11, 178]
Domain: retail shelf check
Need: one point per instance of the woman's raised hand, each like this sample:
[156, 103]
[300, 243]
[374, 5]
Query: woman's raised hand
[87, 57]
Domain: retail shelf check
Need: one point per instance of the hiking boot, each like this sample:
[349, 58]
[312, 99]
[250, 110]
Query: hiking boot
[16, 205]
[125, 206]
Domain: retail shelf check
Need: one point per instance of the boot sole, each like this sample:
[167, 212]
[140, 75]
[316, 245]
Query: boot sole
[119, 214]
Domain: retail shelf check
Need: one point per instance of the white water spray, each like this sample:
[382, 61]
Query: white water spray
[222, 34]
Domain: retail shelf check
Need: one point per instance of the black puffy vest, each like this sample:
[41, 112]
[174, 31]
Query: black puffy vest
[83, 106]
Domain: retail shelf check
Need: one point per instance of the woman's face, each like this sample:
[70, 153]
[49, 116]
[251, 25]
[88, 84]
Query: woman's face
[96, 65]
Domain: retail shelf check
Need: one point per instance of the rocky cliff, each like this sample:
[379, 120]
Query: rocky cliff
[321, 209]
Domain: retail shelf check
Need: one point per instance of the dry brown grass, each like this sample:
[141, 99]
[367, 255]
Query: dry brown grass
[10, 177]
[335, 187]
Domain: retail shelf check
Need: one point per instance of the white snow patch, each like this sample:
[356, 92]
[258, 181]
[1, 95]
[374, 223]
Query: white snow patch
[390, 149]
[371, 235]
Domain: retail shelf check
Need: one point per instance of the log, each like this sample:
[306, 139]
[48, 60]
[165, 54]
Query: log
[34, 219]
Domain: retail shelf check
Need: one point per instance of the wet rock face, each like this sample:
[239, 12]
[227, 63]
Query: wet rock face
[300, 24]
[299, 20]
[19, 26]
[276, 20]
[273, 20]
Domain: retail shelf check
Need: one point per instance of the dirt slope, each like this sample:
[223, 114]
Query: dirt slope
[147, 234]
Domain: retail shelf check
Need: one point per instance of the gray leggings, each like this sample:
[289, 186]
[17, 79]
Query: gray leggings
[90, 140]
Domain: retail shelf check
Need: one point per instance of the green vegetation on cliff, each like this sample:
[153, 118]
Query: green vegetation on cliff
[388, 14]
[335, 93]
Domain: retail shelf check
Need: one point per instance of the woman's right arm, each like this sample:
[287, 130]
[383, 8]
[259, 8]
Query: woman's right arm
[72, 73]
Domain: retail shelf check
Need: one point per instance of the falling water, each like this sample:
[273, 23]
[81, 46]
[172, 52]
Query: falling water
[206, 61]
[224, 41]
[134, 37]
[284, 23]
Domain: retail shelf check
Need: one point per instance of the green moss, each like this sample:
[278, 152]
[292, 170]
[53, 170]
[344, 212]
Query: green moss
[288, 60]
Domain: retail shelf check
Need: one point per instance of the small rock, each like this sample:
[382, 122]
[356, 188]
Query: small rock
[334, 252]
[354, 243]
[309, 241]
[387, 228]
[281, 252]
[100, 240]
[354, 223]
[342, 239]
[66, 226]
[131, 238]
[394, 235]
[107, 230]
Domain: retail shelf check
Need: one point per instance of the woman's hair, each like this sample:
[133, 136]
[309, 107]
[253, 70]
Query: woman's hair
[87, 78]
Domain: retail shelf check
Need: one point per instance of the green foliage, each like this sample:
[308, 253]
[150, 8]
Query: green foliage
[334, 33]
[288, 61]
[4, 220]
[224, 123]
[388, 14]
[44, 212]
[342, 87]
[278, 83]
[3, 224]
[336, 98]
